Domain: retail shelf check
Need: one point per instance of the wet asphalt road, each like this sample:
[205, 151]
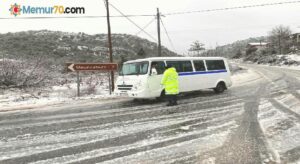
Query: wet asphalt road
[249, 123]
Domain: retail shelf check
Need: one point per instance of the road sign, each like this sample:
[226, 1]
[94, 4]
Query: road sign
[92, 67]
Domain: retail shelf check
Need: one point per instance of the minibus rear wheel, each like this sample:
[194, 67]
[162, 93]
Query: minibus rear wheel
[220, 87]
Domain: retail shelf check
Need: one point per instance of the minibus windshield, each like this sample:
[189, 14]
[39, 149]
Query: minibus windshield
[138, 68]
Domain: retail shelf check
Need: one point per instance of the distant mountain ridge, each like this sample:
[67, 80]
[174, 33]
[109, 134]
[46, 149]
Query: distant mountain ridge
[77, 47]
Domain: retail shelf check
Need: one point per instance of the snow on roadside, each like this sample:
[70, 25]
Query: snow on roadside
[289, 61]
[17, 99]
[287, 67]
[291, 57]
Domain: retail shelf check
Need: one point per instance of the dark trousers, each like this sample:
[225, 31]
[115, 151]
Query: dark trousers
[172, 99]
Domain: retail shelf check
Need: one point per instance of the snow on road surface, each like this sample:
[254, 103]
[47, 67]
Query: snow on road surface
[289, 101]
[282, 130]
[244, 77]
[152, 127]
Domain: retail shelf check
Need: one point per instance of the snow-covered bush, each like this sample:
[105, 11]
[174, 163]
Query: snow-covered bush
[22, 74]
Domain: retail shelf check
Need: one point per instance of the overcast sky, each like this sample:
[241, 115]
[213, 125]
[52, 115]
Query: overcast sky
[210, 28]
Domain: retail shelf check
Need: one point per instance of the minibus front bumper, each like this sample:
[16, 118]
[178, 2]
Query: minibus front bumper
[133, 93]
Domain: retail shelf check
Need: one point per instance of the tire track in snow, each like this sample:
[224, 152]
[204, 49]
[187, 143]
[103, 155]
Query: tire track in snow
[54, 125]
[281, 128]
[157, 140]
[140, 134]
[114, 111]
[37, 141]
[204, 112]
[287, 103]
[104, 134]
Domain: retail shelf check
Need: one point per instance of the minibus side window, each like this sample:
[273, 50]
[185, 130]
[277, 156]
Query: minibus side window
[159, 66]
[215, 64]
[199, 65]
[186, 66]
[175, 64]
[181, 66]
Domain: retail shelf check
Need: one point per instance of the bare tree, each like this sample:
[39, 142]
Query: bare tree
[279, 39]
[18, 73]
[197, 47]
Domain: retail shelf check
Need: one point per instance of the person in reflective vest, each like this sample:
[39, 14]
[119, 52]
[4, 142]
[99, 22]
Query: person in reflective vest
[170, 83]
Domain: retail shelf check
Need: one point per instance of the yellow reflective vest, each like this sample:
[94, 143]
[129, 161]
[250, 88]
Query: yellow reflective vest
[170, 81]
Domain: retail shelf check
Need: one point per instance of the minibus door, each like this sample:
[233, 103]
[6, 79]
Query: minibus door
[155, 78]
[154, 85]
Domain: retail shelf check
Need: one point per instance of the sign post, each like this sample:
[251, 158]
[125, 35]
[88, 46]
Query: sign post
[109, 83]
[78, 84]
[106, 67]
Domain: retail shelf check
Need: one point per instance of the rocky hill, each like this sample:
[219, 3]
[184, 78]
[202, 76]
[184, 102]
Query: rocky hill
[75, 47]
[37, 58]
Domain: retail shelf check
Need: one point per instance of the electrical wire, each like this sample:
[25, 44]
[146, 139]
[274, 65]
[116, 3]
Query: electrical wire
[133, 22]
[168, 35]
[232, 8]
[145, 26]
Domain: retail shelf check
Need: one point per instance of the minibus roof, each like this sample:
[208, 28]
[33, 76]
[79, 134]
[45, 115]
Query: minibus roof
[175, 58]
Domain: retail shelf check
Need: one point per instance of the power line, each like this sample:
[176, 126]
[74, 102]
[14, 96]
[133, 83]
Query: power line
[145, 26]
[168, 35]
[232, 8]
[132, 22]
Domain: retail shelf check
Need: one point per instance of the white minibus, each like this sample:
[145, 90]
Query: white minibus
[141, 78]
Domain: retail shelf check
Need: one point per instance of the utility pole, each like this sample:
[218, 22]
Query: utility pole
[110, 48]
[158, 32]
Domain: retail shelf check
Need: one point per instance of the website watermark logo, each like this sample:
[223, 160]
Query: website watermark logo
[57, 9]
[15, 9]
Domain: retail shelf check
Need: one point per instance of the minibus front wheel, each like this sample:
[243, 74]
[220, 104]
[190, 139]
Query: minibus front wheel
[221, 87]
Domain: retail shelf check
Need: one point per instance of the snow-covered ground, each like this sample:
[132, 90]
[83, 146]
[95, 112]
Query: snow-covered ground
[12, 99]
[291, 57]
[290, 61]
[16, 99]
